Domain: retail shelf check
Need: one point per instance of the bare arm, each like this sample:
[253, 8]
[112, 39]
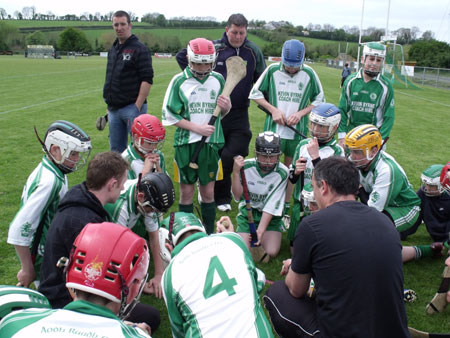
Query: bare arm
[298, 284]
[158, 264]
[236, 186]
[26, 274]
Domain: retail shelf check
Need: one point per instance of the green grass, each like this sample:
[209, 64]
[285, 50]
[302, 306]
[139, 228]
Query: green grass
[38, 92]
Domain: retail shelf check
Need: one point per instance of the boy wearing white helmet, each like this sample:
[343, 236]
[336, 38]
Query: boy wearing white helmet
[66, 149]
[367, 96]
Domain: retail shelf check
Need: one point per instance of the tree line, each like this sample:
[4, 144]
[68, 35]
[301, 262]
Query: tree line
[425, 50]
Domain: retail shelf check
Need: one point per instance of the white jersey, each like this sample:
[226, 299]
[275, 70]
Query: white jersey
[267, 192]
[289, 93]
[329, 149]
[136, 162]
[44, 188]
[211, 289]
[125, 212]
[78, 319]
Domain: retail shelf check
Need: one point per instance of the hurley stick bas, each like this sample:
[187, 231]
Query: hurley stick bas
[236, 71]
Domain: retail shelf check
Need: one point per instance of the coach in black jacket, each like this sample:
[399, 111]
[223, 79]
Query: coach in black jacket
[129, 76]
[235, 125]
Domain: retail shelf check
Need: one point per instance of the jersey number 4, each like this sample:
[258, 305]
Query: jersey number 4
[226, 284]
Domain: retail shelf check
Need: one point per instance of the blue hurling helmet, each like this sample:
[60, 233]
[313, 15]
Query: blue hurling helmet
[293, 53]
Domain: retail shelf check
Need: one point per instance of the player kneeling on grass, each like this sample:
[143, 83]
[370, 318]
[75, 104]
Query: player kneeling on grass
[105, 274]
[323, 123]
[66, 149]
[385, 186]
[434, 206]
[211, 285]
[189, 103]
[266, 181]
[138, 207]
[148, 136]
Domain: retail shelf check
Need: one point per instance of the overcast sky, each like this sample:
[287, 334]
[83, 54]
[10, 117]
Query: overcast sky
[431, 15]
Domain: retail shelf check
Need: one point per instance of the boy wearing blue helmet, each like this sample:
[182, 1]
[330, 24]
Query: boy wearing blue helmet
[289, 90]
[324, 121]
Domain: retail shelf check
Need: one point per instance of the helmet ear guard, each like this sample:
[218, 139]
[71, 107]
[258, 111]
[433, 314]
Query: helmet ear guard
[110, 261]
[158, 192]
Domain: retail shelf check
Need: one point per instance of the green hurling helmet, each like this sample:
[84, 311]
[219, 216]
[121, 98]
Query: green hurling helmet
[14, 298]
[431, 184]
[179, 223]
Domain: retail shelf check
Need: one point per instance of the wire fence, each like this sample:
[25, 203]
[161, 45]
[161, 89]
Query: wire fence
[423, 76]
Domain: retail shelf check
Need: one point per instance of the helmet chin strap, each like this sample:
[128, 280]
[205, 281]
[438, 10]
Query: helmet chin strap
[371, 73]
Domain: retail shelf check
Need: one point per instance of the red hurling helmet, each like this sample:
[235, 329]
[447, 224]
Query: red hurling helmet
[147, 128]
[445, 179]
[110, 261]
[201, 51]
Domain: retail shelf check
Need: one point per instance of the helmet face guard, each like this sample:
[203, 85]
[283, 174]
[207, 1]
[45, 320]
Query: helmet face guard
[293, 55]
[445, 178]
[267, 150]
[324, 115]
[431, 183]
[158, 192]
[201, 51]
[148, 133]
[110, 261]
[74, 145]
[360, 141]
[377, 51]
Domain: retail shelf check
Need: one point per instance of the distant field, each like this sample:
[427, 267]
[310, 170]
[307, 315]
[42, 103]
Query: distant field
[38, 92]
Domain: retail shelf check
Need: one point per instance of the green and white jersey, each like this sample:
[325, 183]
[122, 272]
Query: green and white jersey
[366, 103]
[136, 162]
[289, 93]
[211, 289]
[194, 100]
[266, 190]
[125, 212]
[44, 188]
[332, 148]
[388, 185]
[77, 319]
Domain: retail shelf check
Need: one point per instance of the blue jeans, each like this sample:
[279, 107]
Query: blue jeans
[120, 122]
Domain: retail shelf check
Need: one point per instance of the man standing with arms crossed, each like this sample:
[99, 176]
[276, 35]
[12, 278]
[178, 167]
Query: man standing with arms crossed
[129, 76]
[235, 125]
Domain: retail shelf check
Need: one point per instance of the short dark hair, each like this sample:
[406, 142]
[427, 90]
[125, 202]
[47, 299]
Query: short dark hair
[346, 65]
[237, 20]
[103, 167]
[340, 174]
[122, 14]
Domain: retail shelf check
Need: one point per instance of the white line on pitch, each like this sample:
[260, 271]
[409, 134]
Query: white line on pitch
[422, 98]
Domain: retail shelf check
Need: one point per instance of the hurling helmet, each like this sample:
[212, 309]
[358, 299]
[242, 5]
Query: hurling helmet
[69, 138]
[148, 128]
[324, 114]
[201, 51]
[431, 183]
[110, 261]
[364, 138]
[267, 146]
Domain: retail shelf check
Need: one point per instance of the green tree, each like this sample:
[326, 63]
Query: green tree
[430, 53]
[73, 40]
[8, 34]
[161, 21]
[35, 38]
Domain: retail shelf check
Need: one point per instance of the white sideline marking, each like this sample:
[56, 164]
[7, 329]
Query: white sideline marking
[422, 98]
[50, 101]
[51, 73]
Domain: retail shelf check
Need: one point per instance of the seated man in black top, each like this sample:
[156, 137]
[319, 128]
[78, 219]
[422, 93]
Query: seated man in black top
[353, 253]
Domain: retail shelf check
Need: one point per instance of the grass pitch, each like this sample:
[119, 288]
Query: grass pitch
[37, 92]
